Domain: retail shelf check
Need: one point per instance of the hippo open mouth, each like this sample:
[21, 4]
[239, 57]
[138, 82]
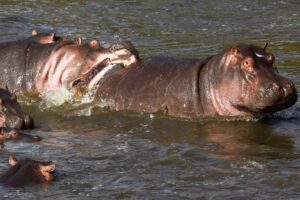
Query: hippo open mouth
[87, 77]
[96, 74]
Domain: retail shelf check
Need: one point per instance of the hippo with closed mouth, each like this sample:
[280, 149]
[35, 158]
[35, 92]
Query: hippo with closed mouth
[27, 171]
[240, 81]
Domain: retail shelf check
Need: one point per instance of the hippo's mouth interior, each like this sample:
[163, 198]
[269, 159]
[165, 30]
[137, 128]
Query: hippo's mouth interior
[88, 76]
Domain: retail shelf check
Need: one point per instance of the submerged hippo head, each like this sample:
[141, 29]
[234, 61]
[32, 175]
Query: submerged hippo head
[244, 81]
[27, 171]
[44, 38]
[11, 114]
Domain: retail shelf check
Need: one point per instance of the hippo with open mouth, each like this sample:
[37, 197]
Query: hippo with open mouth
[46, 62]
[241, 81]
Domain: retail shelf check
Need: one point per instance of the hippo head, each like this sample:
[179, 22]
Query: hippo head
[246, 82]
[11, 114]
[27, 171]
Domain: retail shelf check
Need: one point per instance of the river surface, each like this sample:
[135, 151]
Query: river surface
[123, 155]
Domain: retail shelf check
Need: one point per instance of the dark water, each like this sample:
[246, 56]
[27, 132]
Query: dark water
[120, 155]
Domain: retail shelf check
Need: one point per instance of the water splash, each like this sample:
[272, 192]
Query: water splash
[67, 102]
[57, 98]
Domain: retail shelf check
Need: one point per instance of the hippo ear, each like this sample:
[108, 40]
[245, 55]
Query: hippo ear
[266, 45]
[95, 44]
[53, 36]
[12, 160]
[236, 52]
[34, 32]
[79, 40]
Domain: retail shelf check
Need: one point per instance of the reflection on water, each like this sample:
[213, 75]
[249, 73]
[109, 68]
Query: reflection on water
[124, 155]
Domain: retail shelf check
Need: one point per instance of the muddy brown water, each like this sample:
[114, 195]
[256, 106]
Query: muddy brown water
[124, 155]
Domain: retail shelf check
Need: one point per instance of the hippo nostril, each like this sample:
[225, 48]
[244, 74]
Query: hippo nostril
[13, 134]
[288, 89]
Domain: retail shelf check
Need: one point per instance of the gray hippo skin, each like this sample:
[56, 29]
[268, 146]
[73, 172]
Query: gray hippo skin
[241, 81]
[11, 113]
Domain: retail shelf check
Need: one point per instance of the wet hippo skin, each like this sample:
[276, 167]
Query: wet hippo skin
[240, 81]
[27, 171]
[45, 62]
[11, 113]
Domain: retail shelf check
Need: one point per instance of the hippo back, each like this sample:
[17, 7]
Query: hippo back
[157, 84]
[19, 61]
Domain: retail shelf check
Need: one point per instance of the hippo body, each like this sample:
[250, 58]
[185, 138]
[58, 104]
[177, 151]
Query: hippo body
[166, 84]
[241, 81]
[20, 61]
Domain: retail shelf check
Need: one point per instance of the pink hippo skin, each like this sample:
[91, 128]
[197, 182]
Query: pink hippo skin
[46, 62]
[76, 61]
[242, 81]
[26, 172]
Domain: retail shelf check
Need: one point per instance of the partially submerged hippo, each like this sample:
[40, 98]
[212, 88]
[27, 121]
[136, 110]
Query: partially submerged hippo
[26, 172]
[33, 66]
[11, 113]
[7, 133]
[241, 81]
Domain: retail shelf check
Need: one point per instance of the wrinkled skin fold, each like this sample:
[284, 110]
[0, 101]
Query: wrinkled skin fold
[46, 62]
[241, 81]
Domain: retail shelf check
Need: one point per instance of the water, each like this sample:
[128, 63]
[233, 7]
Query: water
[124, 155]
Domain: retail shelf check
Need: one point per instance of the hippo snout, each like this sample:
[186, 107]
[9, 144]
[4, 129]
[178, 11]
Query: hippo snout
[276, 97]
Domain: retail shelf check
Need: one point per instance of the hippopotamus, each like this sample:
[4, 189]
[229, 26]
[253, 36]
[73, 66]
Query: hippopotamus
[26, 172]
[11, 113]
[33, 66]
[242, 81]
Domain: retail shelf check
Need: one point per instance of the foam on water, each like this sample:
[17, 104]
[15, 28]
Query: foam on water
[58, 97]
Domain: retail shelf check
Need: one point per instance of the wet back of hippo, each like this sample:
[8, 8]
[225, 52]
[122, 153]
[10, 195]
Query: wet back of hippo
[19, 61]
[159, 83]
